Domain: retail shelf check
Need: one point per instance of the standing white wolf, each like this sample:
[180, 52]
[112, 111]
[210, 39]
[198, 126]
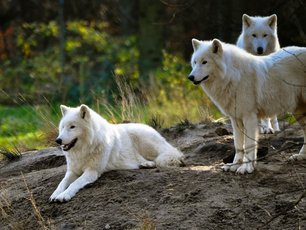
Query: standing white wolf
[259, 37]
[93, 146]
[247, 87]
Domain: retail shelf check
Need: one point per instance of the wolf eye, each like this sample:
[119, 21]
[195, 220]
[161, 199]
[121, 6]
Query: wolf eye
[265, 35]
[254, 35]
[72, 127]
[204, 62]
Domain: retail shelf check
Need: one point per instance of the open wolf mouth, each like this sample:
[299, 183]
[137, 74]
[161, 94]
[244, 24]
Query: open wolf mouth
[203, 79]
[67, 147]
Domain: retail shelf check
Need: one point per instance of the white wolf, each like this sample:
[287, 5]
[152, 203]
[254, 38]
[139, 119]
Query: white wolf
[259, 37]
[247, 87]
[93, 146]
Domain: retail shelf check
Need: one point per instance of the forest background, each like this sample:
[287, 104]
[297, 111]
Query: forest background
[127, 59]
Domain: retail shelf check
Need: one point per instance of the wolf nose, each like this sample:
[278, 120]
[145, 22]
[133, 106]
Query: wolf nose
[58, 141]
[191, 77]
[260, 50]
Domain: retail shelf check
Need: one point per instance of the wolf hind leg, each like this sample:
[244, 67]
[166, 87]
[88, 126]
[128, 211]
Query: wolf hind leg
[266, 126]
[300, 116]
[145, 164]
[275, 124]
[169, 156]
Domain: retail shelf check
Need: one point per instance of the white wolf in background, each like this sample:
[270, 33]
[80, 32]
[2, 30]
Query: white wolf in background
[93, 146]
[247, 87]
[259, 37]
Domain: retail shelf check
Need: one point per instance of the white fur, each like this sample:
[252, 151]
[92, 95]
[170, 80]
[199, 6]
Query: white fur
[102, 147]
[260, 32]
[247, 87]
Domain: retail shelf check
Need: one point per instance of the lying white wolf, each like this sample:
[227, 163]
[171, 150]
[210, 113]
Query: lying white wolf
[93, 146]
[247, 87]
[259, 37]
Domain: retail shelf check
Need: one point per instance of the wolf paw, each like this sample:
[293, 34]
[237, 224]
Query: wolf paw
[232, 167]
[54, 195]
[297, 157]
[147, 165]
[266, 130]
[63, 197]
[276, 130]
[245, 168]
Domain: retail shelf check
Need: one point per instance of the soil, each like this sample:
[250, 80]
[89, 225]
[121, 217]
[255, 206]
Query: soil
[198, 195]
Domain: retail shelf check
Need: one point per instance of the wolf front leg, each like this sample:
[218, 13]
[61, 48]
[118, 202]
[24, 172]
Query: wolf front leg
[239, 145]
[251, 138]
[67, 180]
[89, 176]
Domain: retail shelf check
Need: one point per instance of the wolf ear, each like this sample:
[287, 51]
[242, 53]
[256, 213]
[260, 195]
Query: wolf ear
[84, 111]
[217, 46]
[195, 44]
[64, 109]
[272, 21]
[246, 21]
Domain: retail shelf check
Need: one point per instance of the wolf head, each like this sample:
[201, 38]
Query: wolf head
[74, 127]
[206, 61]
[260, 34]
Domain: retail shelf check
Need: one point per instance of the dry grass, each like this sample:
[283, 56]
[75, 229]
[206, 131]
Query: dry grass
[8, 213]
[155, 106]
[10, 155]
[40, 219]
[147, 223]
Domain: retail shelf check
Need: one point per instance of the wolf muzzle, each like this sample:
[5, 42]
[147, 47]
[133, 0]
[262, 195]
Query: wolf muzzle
[192, 78]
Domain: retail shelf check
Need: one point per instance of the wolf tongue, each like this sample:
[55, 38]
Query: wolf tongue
[68, 146]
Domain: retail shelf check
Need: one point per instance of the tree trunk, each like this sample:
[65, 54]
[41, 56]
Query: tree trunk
[150, 40]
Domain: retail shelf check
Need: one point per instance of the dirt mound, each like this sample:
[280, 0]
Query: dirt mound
[196, 196]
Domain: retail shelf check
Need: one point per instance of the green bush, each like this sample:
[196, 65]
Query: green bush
[92, 58]
[100, 70]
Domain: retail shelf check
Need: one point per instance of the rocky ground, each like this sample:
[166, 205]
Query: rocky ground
[197, 196]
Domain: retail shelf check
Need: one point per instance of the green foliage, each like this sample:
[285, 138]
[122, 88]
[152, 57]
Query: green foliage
[14, 120]
[92, 58]
[31, 36]
[100, 70]
[175, 98]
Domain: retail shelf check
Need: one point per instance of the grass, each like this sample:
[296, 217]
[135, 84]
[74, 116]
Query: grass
[25, 127]
[9, 154]
[44, 224]
[28, 127]
[165, 98]
[157, 105]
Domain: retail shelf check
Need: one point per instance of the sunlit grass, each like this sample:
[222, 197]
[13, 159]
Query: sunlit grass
[22, 142]
[25, 127]
[156, 103]
[28, 127]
